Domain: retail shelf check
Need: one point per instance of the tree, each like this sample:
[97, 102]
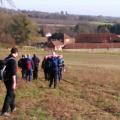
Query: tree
[77, 28]
[115, 29]
[103, 29]
[20, 29]
[41, 31]
[5, 21]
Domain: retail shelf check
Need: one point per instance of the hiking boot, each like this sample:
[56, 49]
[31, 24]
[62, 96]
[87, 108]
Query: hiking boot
[5, 114]
[13, 110]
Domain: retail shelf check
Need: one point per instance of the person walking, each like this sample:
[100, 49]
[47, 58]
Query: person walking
[10, 81]
[46, 63]
[36, 62]
[22, 65]
[30, 67]
[54, 70]
[60, 66]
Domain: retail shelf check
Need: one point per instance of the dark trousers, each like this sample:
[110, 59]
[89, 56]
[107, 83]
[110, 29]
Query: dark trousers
[29, 75]
[47, 74]
[24, 72]
[35, 73]
[60, 74]
[53, 78]
[10, 97]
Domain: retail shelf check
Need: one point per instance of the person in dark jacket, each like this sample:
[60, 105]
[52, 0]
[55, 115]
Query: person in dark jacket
[46, 66]
[10, 82]
[36, 62]
[54, 70]
[22, 65]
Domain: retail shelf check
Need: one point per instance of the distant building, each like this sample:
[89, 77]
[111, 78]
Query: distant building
[58, 40]
[94, 41]
[96, 38]
[68, 39]
[48, 34]
[55, 45]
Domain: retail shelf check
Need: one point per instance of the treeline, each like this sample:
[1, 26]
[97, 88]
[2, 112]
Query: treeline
[70, 17]
[64, 15]
[106, 28]
[74, 24]
[83, 28]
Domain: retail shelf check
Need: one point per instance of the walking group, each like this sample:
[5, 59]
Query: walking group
[52, 65]
[29, 67]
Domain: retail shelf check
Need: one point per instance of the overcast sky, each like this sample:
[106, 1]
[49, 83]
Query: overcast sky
[81, 7]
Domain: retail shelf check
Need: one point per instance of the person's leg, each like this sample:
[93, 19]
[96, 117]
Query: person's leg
[51, 79]
[60, 74]
[29, 75]
[36, 73]
[22, 74]
[12, 104]
[55, 79]
[33, 74]
[45, 74]
[6, 103]
[49, 75]
[51, 82]
[8, 97]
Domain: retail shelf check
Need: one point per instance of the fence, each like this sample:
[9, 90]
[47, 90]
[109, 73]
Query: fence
[92, 45]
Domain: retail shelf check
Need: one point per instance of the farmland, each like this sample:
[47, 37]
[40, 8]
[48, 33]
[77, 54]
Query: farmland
[90, 90]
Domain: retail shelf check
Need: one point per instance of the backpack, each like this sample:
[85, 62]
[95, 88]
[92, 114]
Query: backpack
[29, 65]
[54, 63]
[3, 64]
[2, 69]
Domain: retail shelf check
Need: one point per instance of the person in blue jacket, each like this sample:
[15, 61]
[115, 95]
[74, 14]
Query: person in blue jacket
[54, 70]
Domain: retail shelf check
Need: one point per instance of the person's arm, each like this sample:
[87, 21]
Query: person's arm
[14, 82]
[43, 64]
[13, 72]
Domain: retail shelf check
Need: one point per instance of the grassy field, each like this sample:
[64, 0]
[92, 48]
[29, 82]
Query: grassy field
[90, 90]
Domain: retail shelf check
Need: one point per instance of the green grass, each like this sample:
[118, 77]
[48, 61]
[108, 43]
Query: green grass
[37, 113]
